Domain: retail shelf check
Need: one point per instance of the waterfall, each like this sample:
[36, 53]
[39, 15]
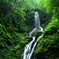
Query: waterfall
[29, 48]
[37, 20]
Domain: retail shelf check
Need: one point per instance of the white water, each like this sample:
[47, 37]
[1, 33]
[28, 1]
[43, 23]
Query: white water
[37, 20]
[29, 48]
[32, 31]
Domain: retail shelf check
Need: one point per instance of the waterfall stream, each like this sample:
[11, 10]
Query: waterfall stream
[29, 48]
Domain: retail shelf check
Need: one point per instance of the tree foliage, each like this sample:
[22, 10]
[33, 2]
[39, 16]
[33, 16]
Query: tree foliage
[47, 47]
[13, 27]
[16, 20]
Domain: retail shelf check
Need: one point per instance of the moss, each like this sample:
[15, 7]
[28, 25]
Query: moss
[38, 33]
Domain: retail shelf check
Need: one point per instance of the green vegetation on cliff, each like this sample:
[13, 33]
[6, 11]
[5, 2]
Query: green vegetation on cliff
[13, 27]
[48, 45]
[17, 19]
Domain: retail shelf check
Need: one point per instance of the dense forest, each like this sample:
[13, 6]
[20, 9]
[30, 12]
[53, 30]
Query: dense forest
[17, 20]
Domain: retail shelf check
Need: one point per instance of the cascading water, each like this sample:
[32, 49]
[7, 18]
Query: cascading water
[29, 48]
[37, 20]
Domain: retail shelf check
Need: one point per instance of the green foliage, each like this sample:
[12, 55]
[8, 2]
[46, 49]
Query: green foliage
[16, 21]
[48, 45]
[13, 27]
[27, 4]
[38, 33]
[53, 24]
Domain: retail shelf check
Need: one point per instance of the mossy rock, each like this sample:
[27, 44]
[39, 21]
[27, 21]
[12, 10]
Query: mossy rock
[38, 33]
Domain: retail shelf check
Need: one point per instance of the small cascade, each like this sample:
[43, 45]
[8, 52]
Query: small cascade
[32, 31]
[29, 48]
[37, 20]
